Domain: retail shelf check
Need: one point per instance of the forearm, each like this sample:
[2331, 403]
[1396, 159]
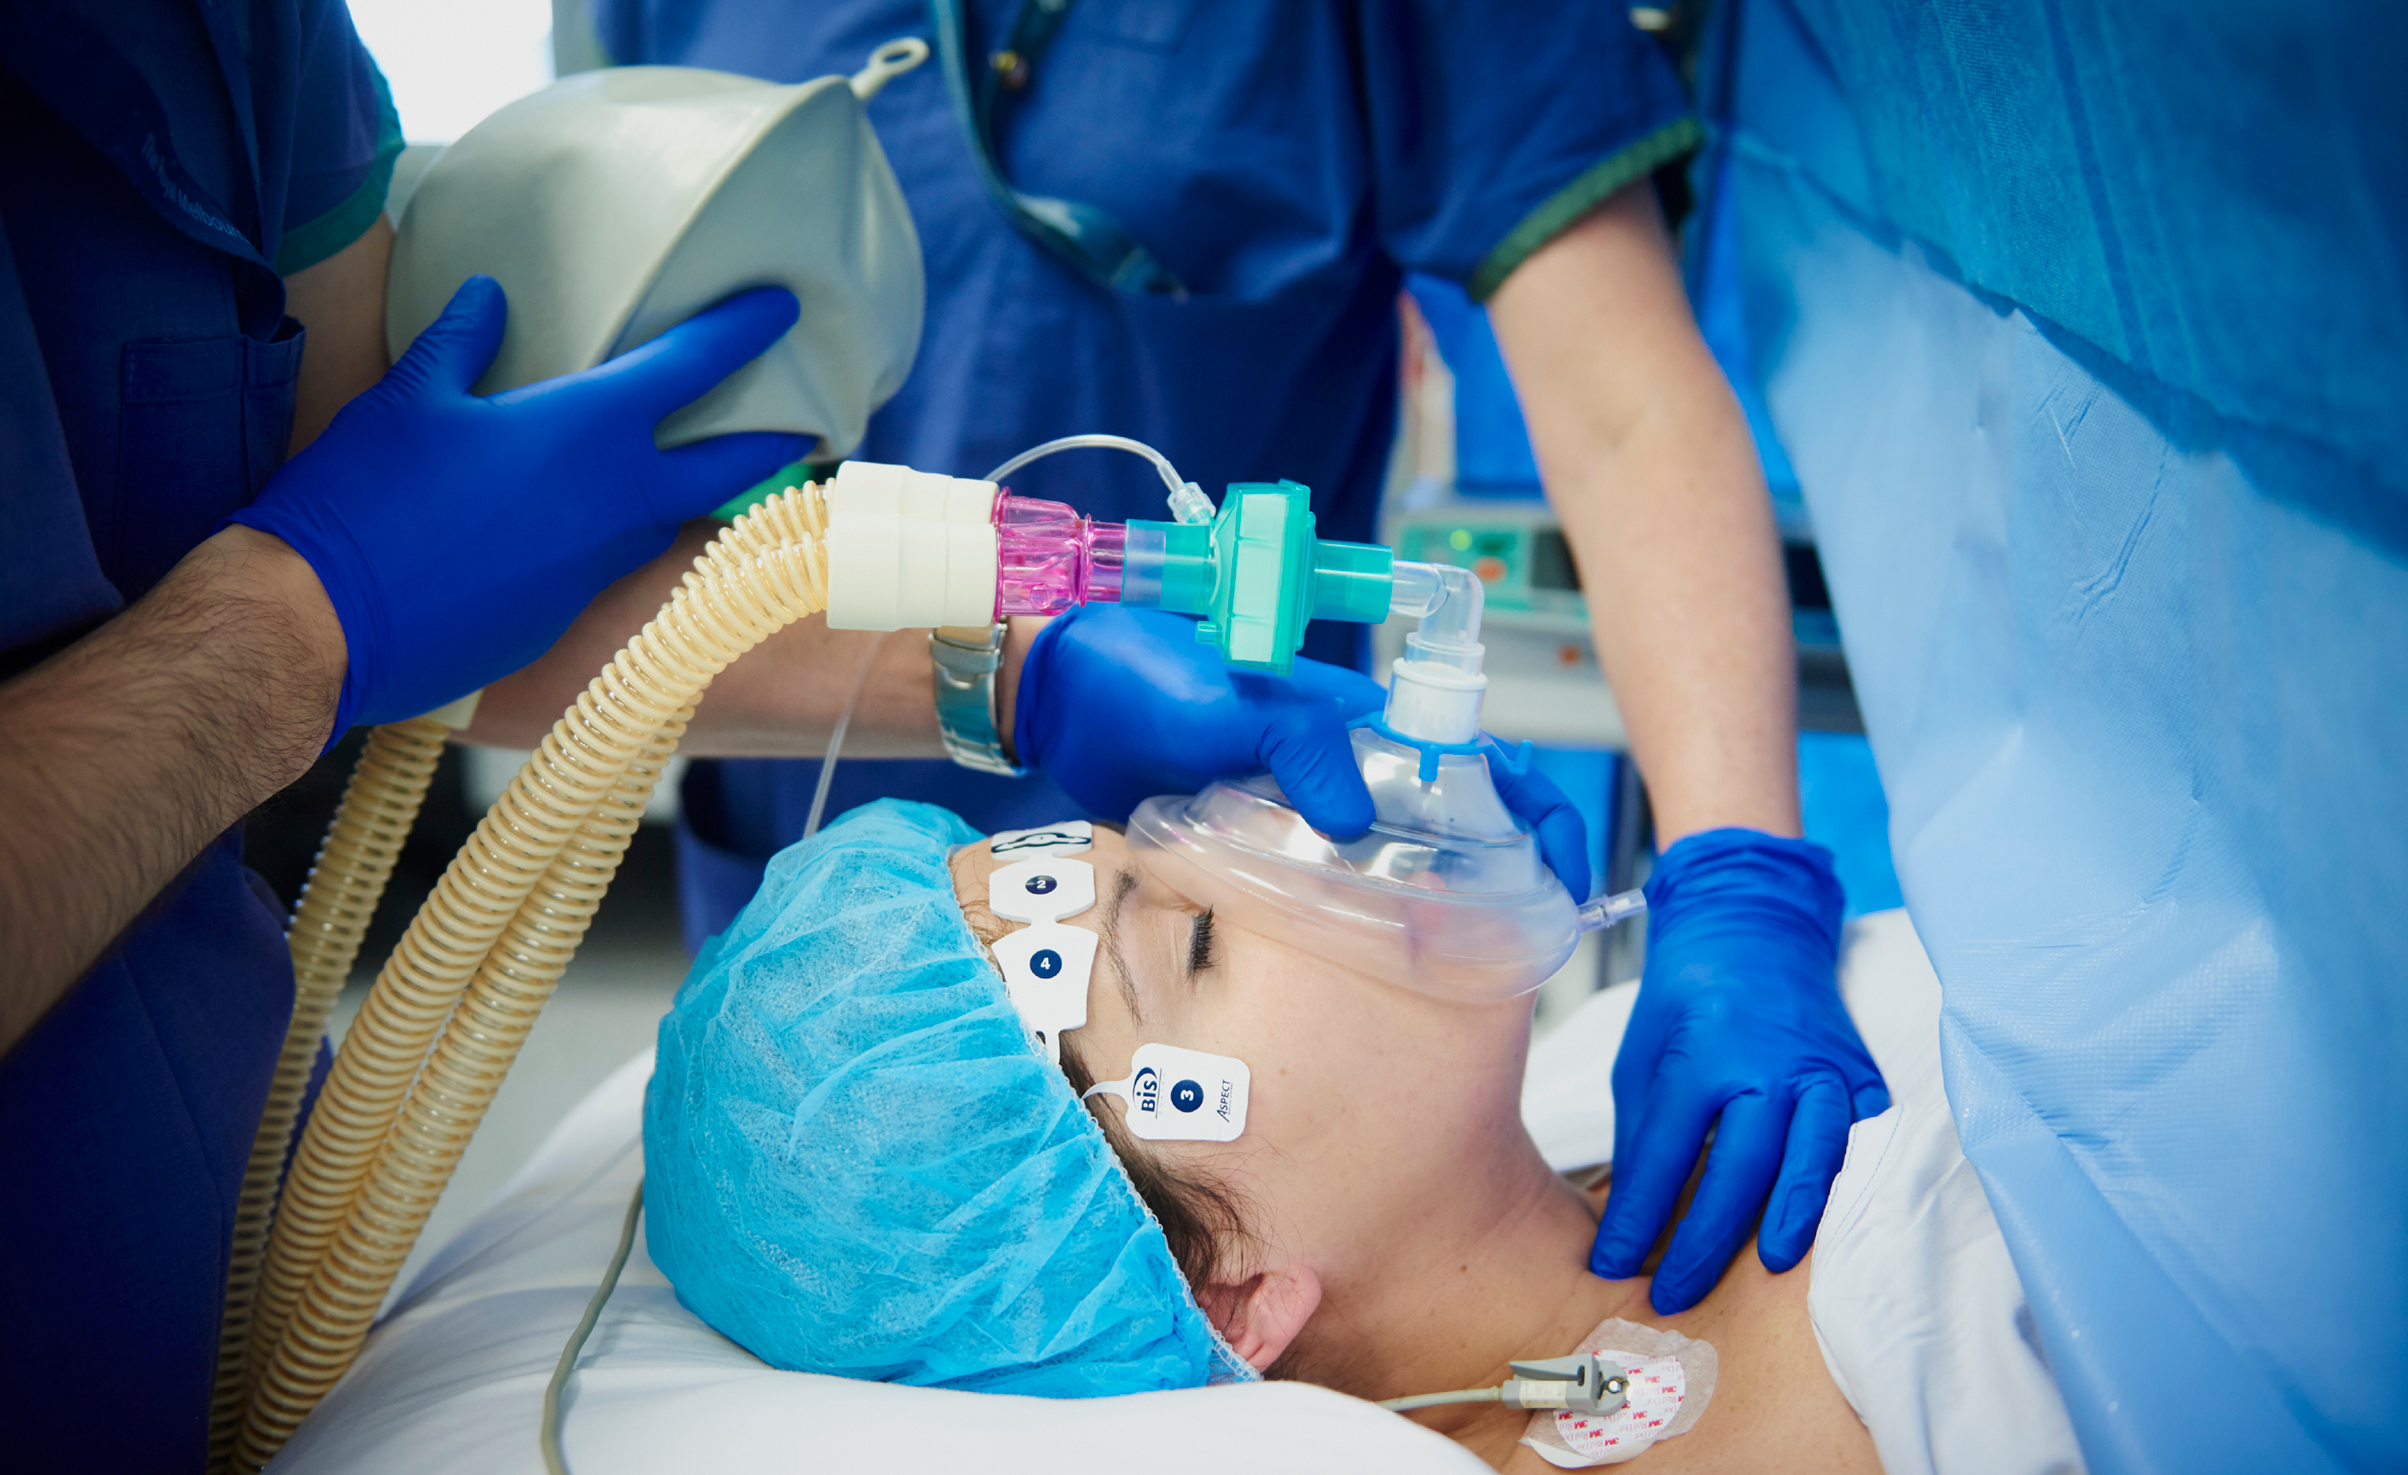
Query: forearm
[126, 753]
[1687, 603]
[1648, 463]
[123, 755]
[782, 699]
[341, 302]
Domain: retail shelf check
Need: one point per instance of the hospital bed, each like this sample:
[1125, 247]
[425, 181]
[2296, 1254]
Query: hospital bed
[453, 1378]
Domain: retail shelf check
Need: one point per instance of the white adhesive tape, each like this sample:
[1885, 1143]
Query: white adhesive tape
[864, 549]
[920, 573]
[1671, 1382]
[909, 548]
[1046, 967]
[1180, 1095]
[967, 595]
[866, 486]
[1045, 889]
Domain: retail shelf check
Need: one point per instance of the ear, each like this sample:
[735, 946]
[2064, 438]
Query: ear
[1262, 1315]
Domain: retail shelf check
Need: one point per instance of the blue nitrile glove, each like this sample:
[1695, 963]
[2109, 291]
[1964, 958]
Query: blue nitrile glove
[1563, 836]
[458, 535]
[1118, 704]
[1738, 1029]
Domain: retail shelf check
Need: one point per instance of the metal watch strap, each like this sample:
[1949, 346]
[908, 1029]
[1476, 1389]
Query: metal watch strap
[963, 663]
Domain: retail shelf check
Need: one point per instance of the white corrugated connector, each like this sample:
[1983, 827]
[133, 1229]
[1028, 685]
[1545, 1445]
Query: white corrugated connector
[1435, 695]
[909, 548]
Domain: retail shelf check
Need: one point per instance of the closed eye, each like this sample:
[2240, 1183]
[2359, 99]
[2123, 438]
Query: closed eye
[1199, 944]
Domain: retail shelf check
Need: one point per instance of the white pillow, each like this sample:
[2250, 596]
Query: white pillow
[453, 1379]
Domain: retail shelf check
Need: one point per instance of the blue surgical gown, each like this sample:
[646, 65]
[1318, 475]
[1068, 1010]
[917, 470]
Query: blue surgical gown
[161, 161]
[1288, 160]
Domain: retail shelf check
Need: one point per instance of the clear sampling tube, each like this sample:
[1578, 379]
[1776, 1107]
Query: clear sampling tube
[1188, 502]
[1607, 911]
[1048, 557]
[1252, 569]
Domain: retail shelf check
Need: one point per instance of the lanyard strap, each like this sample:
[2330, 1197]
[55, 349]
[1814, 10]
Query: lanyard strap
[1089, 241]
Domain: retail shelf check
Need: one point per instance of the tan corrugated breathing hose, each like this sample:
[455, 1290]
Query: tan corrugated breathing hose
[379, 805]
[420, 1065]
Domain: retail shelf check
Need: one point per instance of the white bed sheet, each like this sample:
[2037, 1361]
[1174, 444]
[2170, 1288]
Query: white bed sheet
[453, 1379]
[1915, 1302]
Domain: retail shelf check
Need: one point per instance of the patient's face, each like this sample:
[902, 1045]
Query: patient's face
[1365, 1097]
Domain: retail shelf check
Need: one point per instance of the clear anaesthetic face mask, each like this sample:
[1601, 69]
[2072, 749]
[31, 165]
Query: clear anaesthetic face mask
[1447, 893]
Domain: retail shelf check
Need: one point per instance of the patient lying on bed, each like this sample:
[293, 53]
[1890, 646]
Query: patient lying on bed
[857, 1165]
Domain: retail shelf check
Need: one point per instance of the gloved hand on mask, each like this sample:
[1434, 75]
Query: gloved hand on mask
[457, 535]
[1738, 1030]
[1119, 704]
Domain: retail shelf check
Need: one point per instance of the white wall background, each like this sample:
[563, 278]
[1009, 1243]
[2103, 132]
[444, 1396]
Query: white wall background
[450, 62]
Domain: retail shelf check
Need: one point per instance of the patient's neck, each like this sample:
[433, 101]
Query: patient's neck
[1496, 1270]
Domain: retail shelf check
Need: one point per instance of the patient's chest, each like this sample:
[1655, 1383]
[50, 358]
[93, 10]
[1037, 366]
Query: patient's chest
[1774, 1406]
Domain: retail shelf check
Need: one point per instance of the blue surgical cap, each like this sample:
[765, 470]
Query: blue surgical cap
[855, 1163]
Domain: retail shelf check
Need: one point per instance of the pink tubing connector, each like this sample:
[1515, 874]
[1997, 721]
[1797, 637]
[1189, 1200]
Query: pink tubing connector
[1048, 558]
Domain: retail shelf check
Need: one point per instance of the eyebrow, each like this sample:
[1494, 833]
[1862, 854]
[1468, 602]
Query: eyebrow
[1123, 882]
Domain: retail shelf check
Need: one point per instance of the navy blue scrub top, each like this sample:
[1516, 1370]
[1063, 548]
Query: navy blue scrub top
[1288, 160]
[161, 162]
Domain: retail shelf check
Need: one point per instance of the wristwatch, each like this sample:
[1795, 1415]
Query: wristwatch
[964, 660]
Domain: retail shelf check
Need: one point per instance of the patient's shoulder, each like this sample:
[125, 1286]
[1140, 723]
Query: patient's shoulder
[1774, 1405]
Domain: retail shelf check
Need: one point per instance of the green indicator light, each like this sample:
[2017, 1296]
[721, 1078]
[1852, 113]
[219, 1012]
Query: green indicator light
[1460, 540]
